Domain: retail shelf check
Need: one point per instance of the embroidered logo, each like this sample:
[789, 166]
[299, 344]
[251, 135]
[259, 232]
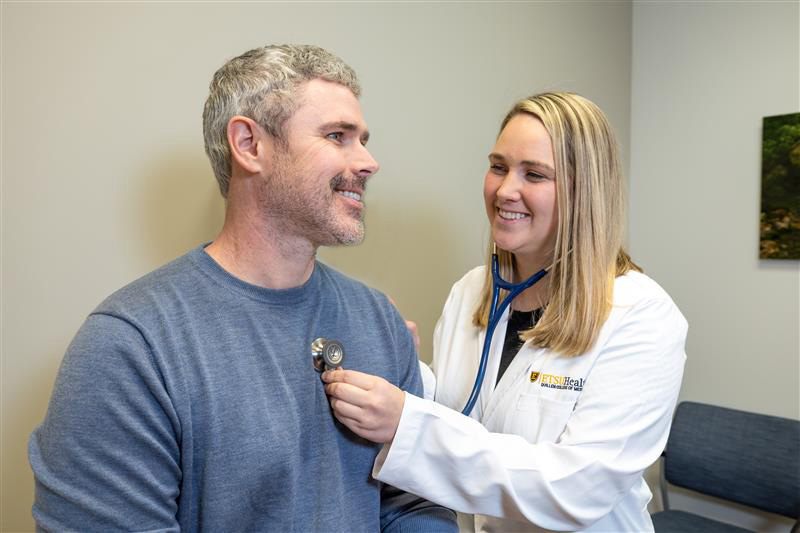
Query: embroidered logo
[552, 381]
[534, 377]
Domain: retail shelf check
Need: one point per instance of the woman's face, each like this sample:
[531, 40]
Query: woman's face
[520, 191]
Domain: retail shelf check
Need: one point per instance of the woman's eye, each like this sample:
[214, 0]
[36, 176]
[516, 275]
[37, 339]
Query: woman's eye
[533, 176]
[335, 136]
[497, 169]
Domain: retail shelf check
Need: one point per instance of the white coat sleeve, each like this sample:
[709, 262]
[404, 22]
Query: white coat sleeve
[428, 381]
[618, 428]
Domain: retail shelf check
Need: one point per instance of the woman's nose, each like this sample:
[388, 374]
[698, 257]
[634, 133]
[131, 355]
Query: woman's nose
[509, 189]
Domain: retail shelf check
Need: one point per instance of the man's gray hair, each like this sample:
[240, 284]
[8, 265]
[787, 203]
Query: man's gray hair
[261, 84]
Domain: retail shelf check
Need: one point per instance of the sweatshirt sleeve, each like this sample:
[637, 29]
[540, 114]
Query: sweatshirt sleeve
[618, 428]
[106, 457]
[402, 512]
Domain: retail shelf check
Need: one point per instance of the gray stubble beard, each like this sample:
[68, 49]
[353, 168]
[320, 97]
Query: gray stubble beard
[295, 217]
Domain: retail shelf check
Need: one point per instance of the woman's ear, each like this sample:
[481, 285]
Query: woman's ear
[249, 145]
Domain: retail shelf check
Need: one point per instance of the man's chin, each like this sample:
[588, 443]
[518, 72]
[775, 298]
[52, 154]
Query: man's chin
[344, 237]
[349, 240]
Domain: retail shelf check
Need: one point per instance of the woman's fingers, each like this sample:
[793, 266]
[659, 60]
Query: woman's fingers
[370, 404]
[351, 377]
[344, 408]
[412, 329]
[352, 418]
[411, 326]
[348, 393]
[352, 425]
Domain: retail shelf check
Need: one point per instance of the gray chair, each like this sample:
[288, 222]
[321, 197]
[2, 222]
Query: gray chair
[742, 457]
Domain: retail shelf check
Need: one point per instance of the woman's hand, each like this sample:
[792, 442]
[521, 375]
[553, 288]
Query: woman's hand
[368, 405]
[412, 329]
[410, 325]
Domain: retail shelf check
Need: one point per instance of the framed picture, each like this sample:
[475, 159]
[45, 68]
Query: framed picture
[780, 187]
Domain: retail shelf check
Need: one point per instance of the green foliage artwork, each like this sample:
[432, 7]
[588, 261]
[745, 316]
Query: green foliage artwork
[780, 188]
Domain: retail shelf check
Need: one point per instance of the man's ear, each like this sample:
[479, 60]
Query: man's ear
[250, 145]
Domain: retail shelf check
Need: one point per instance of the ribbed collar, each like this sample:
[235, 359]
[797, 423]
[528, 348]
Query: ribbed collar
[293, 295]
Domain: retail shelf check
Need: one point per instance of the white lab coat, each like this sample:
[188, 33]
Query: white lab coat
[566, 457]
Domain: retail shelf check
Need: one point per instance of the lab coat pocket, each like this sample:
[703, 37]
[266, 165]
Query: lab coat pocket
[540, 419]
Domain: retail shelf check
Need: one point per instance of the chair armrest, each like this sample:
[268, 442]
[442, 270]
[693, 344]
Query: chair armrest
[662, 483]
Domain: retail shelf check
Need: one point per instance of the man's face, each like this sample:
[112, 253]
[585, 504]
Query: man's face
[317, 184]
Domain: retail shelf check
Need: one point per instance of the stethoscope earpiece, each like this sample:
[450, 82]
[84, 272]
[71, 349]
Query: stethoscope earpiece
[327, 354]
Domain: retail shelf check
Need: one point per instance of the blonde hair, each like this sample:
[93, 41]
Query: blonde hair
[588, 253]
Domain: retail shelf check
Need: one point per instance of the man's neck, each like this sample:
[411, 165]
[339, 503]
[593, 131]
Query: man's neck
[254, 252]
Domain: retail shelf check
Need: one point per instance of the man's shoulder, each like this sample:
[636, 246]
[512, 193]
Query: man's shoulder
[153, 290]
[340, 283]
[341, 278]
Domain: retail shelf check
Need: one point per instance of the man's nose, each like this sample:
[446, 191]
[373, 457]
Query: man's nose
[365, 165]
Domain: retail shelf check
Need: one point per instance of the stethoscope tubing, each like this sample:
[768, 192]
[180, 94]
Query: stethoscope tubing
[495, 313]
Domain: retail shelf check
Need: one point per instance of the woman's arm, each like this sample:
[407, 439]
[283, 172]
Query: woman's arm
[618, 428]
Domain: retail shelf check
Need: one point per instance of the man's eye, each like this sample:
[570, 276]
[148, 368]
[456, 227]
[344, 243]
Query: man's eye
[497, 169]
[335, 136]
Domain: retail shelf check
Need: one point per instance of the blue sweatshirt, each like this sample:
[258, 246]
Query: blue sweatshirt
[188, 401]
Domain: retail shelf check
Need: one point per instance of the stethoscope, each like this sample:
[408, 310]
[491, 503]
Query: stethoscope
[327, 354]
[495, 313]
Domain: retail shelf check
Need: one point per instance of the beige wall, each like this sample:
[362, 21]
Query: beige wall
[704, 75]
[104, 176]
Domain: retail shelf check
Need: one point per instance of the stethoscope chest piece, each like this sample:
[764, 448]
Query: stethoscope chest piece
[327, 354]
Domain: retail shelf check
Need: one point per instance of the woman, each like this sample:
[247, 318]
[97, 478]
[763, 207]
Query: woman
[585, 369]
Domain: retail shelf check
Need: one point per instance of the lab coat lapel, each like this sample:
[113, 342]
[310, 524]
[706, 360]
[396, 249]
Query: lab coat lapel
[486, 399]
[470, 376]
[455, 383]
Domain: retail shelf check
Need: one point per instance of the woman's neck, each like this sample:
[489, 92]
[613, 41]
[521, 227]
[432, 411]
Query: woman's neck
[537, 295]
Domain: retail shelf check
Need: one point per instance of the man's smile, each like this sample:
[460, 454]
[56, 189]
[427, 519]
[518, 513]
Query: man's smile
[350, 194]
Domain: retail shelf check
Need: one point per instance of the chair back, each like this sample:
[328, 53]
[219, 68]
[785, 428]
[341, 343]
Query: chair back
[743, 457]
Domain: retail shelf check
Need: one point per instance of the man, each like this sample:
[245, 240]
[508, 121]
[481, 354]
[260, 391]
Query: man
[188, 399]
